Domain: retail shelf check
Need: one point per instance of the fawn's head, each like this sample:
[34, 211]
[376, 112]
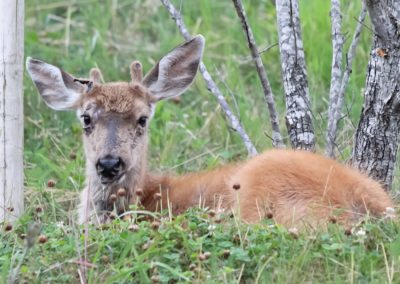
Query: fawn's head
[115, 116]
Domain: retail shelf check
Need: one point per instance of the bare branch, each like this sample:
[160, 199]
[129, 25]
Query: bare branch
[211, 85]
[336, 75]
[337, 106]
[269, 97]
[298, 111]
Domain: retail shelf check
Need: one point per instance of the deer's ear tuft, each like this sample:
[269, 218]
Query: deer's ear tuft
[174, 73]
[59, 90]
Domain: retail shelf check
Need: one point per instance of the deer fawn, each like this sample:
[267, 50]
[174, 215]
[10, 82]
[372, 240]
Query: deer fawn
[295, 187]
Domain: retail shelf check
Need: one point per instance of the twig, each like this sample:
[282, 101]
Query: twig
[211, 85]
[277, 140]
[336, 75]
[345, 80]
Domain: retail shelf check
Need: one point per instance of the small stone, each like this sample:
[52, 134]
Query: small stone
[236, 186]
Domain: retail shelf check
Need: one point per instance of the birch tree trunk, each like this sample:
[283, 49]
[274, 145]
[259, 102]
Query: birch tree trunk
[298, 111]
[11, 109]
[375, 145]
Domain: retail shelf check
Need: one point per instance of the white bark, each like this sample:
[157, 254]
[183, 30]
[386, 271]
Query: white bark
[376, 140]
[11, 109]
[336, 103]
[298, 110]
[211, 85]
[336, 73]
[269, 97]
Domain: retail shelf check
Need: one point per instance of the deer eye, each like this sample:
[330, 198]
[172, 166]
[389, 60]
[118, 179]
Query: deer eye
[86, 120]
[142, 121]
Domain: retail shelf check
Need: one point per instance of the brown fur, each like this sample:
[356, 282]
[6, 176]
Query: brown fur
[296, 188]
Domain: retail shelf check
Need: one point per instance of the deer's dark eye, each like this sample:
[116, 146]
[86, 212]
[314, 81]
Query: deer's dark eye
[142, 121]
[86, 120]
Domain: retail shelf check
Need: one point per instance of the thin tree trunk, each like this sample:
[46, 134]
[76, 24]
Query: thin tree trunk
[11, 111]
[337, 97]
[298, 111]
[336, 74]
[269, 97]
[375, 145]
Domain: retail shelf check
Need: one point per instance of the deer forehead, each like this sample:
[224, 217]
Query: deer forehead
[119, 97]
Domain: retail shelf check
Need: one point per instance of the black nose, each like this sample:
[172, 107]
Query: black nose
[109, 167]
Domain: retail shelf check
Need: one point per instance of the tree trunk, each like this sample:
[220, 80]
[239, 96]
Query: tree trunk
[298, 111]
[11, 109]
[375, 145]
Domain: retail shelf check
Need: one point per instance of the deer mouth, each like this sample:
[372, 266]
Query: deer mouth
[108, 180]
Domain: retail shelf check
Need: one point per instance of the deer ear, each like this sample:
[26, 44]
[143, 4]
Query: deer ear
[174, 73]
[60, 90]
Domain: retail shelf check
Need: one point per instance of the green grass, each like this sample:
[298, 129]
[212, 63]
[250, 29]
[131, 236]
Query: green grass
[192, 135]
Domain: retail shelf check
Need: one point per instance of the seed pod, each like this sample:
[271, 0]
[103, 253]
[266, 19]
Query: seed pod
[139, 192]
[348, 232]
[133, 228]
[157, 196]
[333, 219]
[113, 198]
[105, 259]
[8, 227]
[10, 209]
[155, 225]
[211, 213]
[121, 192]
[72, 155]
[155, 279]
[39, 209]
[226, 253]
[294, 232]
[207, 254]
[113, 215]
[236, 186]
[192, 267]
[51, 183]
[42, 239]
[269, 215]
